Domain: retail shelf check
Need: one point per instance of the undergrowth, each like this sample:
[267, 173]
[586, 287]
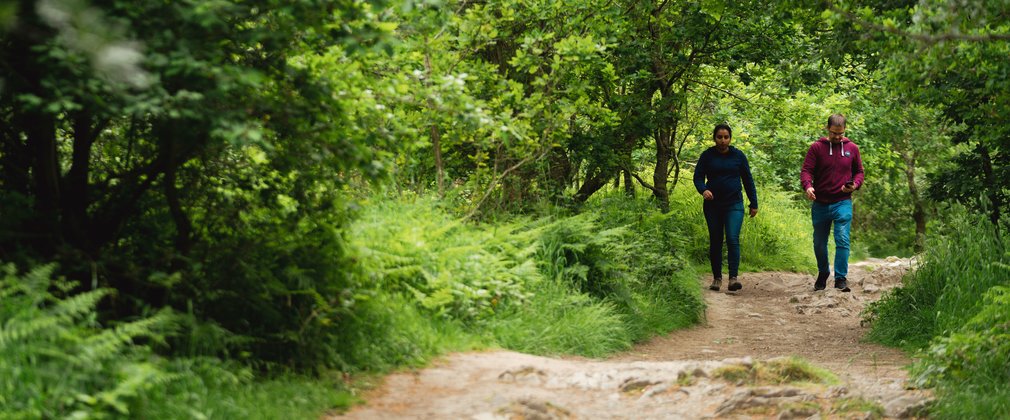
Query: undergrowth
[58, 361]
[424, 282]
[954, 313]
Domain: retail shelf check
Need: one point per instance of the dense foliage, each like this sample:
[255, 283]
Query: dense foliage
[310, 185]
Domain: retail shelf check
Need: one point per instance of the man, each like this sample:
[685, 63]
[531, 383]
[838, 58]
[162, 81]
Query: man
[831, 171]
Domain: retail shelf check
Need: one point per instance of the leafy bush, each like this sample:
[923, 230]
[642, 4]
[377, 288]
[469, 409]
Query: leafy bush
[563, 284]
[451, 269]
[576, 250]
[58, 361]
[661, 281]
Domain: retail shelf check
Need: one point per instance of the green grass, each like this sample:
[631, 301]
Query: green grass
[971, 401]
[954, 313]
[857, 407]
[958, 267]
[558, 320]
[207, 389]
[587, 284]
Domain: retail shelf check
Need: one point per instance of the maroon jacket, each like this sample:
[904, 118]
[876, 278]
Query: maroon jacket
[828, 167]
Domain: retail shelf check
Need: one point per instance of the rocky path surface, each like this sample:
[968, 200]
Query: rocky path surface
[683, 375]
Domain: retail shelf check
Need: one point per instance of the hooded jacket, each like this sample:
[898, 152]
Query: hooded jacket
[829, 166]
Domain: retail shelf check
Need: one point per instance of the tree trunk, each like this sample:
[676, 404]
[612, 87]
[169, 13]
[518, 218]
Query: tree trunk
[41, 133]
[918, 209]
[559, 171]
[662, 170]
[14, 161]
[629, 184]
[593, 184]
[436, 136]
[76, 187]
[991, 184]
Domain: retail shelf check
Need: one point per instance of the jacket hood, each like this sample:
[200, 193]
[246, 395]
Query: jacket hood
[844, 140]
[831, 146]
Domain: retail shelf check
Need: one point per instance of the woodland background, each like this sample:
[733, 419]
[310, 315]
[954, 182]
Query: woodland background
[232, 208]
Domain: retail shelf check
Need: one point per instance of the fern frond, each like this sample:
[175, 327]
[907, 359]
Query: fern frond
[74, 307]
[111, 342]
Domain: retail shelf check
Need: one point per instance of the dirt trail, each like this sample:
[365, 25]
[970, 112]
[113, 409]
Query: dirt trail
[775, 315]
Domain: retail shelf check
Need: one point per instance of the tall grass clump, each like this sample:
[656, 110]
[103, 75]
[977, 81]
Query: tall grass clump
[446, 284]
[555, 285]
[954, 312]
[209, 388]
[959, 266]
[778, 238]
[663, 284]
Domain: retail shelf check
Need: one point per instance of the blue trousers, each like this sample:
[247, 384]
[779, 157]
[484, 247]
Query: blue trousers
[724, 219]
[823, 215]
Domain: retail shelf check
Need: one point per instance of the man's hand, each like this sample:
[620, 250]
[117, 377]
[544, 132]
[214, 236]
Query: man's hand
[708, 195]
[810, 194]
[753, 212]
[847, 188]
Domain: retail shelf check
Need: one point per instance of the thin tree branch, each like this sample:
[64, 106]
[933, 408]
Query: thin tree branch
[640, 180]
[710, 86]
[494, 181]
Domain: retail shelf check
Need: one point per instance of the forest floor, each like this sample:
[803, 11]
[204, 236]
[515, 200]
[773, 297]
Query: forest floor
[681, 375]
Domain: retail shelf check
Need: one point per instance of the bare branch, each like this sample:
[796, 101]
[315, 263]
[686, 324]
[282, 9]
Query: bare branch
[710, 86]
[499, 177]
[640, 180]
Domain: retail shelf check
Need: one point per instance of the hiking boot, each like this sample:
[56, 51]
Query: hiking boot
[716, 284]
[842, 284]
[734, 284]
[822, 281]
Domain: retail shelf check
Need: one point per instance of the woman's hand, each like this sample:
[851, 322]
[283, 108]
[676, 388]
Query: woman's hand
[753, 212]
[708, 195]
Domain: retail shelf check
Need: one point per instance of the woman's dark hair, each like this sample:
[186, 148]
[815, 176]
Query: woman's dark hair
[722, 127]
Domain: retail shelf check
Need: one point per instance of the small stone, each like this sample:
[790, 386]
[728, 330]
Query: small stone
[772, 392]
[633, 384]
[658, 389]
[837, 391]
[905, 406]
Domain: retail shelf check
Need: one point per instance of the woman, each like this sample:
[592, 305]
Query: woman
[724, 167]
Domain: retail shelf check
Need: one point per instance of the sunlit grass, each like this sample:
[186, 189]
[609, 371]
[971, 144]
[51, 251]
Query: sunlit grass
[954, 313]
[775, 372]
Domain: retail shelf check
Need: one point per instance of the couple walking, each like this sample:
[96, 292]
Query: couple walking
[831, 171]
